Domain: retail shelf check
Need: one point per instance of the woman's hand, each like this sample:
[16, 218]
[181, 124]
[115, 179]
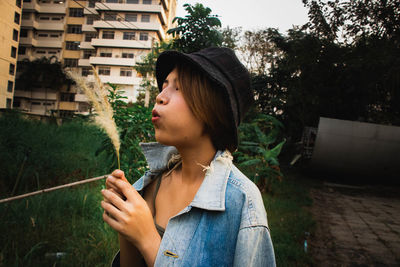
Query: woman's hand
[128, 213]
[119, 175]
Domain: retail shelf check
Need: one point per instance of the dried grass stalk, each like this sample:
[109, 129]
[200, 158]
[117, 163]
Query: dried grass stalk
[104, 112]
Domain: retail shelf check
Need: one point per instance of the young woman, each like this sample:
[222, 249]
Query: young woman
[193, 207]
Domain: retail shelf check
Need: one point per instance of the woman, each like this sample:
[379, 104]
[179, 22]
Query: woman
[193, 207]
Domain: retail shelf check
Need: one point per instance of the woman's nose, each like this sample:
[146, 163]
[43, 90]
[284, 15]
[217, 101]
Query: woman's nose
[161, 98]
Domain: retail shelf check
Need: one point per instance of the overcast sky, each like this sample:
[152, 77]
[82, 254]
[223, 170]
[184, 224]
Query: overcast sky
[254, 14]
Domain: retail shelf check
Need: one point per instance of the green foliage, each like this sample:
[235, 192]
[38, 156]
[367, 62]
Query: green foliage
[68, 221]
[40, 73]
[259, 149]
[146, 68]
[134, 122]
[289, 219]
[45, 154]
[197, 30]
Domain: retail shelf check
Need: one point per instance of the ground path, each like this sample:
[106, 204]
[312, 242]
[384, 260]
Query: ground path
[356, 226]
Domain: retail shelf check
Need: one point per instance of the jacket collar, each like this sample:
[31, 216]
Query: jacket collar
[211, 194]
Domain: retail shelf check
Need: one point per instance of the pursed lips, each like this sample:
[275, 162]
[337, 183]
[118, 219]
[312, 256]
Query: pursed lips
[155, 116]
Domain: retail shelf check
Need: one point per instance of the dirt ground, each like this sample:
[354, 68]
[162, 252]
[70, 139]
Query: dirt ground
[356, 226]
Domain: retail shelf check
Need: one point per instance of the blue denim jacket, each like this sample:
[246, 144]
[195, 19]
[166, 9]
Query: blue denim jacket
[225, 224]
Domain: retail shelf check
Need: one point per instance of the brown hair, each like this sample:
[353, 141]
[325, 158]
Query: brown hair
[209, 103]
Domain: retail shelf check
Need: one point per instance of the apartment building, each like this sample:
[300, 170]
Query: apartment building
[110, 35]
[10, 21]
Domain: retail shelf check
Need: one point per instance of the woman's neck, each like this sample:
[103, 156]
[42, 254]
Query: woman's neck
[194, 158]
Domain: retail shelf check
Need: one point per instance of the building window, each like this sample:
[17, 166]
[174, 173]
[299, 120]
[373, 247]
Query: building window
[89, 37]
[54, 35]
[125, 72]
[74, 29]
[56, 18]
[92, 3]
[129, 36]
[131, 17]
[90, 19]
[17, 102]
[10, 86]
[72, 45]
[35, 103]
[110, 16]
[13, 52]
[15, 35]
[104, 71]
[147, 2]
[86, 71]
[144, 36]
[71, 62]
[105, 54]
[11, 70]
[23, 33]
[132, 1]
[44, 18]
[52, 52]
[112, 1]
[43, 35]
[22, 50]
[41, 52]
[67, 97]
[145, 18]
[26, 16]
[76, 12]
[108, 34]
[9, 102]
[87, 54]
[27, 1]
[127, 55]
[17, 17]
[18, 3]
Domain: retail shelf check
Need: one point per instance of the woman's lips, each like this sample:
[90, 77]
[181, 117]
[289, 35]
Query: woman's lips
[155, 117]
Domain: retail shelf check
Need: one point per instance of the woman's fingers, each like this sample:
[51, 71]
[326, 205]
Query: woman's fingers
[127, 189]
[113, 198]
[119, 174]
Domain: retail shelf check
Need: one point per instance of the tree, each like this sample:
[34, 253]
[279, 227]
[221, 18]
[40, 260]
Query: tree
[40, 73]
[146, 68]
[197, 30]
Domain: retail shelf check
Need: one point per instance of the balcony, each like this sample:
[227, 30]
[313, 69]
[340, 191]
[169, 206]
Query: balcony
[45, 8]
[90, 11]
[48, 43]
[118, 79]
[124, 25]
[112, 61]
[81, 98]
[46, 26]
[86, 45]
[41, 95]
[83, 62]
[62, 105]
[134, 8]
[88, 28]
[122, 43]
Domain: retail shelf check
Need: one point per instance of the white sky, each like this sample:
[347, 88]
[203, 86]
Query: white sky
[254, 14]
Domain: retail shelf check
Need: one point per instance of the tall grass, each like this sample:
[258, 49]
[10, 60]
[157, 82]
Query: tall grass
[45, 154]
[67, 221]
[289, 219]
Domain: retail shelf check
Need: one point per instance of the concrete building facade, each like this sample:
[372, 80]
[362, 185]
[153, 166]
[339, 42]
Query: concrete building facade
[10, 21]
[109, 35]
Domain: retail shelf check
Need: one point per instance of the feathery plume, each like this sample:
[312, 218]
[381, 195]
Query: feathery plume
[103, 110]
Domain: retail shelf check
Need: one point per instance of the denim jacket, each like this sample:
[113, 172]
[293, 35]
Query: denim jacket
[225, 224]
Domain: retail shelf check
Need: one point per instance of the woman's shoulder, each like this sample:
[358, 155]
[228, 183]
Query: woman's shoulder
[241, 189]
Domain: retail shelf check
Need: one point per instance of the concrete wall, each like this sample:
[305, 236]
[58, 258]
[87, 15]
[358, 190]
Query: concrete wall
[354, 150]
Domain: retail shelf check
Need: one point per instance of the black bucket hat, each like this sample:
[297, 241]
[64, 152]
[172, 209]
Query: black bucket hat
[222, 67]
